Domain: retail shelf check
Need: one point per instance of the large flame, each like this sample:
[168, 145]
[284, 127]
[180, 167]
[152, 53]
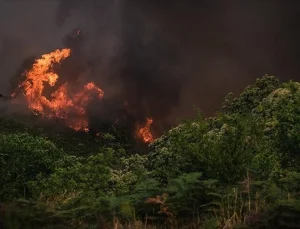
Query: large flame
[63, 104]
[144, 132]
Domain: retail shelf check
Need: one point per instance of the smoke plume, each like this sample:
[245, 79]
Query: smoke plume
[153, 58]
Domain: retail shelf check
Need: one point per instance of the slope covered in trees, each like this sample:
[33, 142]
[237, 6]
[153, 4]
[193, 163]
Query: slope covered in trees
[239, 169]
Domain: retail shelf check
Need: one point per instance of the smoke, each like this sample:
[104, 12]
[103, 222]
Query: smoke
[154, 58]
[213, 47]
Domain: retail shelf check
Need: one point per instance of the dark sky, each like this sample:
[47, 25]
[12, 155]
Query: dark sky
[211, 47]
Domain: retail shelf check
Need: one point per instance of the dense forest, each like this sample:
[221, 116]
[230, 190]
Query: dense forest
[238, 169]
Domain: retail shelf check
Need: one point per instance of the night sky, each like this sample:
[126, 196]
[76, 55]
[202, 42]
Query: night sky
[194, 51]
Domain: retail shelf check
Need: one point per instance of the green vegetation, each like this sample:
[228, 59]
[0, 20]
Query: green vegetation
[239, 169]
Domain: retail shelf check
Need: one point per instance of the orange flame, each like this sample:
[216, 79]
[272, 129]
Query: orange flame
[63, 105]
[144, 132]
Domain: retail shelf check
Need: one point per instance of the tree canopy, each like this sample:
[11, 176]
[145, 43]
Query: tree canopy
[238, 169]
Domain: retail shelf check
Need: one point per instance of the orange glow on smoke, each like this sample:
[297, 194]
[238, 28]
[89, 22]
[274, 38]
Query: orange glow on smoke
[144, 132]
[63, 104]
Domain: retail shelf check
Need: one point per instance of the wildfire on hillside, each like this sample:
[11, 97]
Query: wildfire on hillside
[144, 133]
[63, 103]
[55, 86]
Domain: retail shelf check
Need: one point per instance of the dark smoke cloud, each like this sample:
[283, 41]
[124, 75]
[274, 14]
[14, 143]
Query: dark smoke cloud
[220, 46]
[162, 57]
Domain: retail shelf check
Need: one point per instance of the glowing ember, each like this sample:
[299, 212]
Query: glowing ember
[144, 132]
[63, 104]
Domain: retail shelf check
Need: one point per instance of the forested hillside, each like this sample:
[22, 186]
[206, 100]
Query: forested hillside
[239, 169]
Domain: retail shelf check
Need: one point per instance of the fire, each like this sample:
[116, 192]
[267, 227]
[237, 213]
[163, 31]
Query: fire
[144, 132]
[63, 104]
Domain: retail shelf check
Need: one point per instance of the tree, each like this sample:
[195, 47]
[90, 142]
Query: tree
[22, 158]
[281, 114]
[251, 97]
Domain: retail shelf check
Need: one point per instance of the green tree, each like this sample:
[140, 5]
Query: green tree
[251, 97]
[22, 158]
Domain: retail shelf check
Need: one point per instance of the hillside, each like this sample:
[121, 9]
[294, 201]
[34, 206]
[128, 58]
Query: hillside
[239, 169]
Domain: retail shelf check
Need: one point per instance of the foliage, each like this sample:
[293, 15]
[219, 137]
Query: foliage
[22, 158]
[251, 97]
[281, 112]
[239, 169]
[189, 193]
